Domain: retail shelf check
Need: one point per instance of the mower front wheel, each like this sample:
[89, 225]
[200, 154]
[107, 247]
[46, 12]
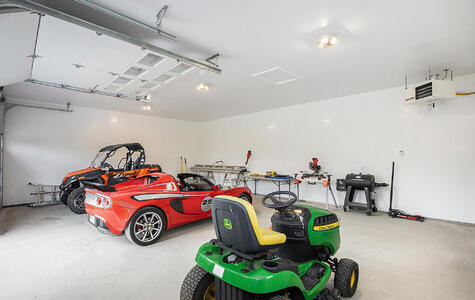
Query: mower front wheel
[76, 200]
[346, 277]
[198, 285]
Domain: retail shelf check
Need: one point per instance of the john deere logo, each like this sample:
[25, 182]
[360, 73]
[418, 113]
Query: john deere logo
[228, 224]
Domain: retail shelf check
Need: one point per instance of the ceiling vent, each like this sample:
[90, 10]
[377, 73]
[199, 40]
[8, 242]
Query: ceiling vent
[149, 85]
[164, 78]
[276, 76]
[181, 68]
[135, 71]
[139, 91]
[112, 87]
[122, 80]
[150, 60]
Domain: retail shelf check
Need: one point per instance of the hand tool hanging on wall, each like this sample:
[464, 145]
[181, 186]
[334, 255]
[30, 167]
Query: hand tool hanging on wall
[249, 153]
[395, 213]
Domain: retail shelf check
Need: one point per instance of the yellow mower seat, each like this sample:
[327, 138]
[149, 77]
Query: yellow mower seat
[236, 226]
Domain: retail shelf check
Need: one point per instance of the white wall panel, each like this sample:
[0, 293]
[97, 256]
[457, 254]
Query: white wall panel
[364, 133]
[17, 36]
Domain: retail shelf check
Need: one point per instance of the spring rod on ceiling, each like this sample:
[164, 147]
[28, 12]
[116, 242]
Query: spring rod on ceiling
[34, 55]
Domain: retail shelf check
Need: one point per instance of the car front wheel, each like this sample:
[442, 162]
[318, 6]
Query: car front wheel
[146, 226]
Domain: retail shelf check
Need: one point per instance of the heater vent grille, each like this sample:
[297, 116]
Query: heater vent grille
[424, 91]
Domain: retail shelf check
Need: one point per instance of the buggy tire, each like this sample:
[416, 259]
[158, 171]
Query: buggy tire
[245, 197]
[346, 277]
[278, 297]
[152, 216]
[197, 284]
[76, 200]
[64, 198]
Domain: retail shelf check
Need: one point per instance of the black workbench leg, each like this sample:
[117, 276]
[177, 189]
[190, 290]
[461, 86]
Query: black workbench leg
[348, 197]
[333, 195]
[255, 186]
[368, 199]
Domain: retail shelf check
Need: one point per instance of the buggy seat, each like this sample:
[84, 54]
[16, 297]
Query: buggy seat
[236, 226]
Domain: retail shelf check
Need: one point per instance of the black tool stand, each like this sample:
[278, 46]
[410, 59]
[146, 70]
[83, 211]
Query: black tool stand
[363, 182]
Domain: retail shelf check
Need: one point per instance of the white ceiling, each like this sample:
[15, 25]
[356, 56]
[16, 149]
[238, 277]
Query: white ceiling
[380, 41]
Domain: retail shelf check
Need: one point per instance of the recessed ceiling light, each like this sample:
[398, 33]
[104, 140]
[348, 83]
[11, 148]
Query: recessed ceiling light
[202, 87]
[327, 40]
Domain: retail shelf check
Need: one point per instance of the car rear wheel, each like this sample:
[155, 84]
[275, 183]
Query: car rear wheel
[76, 200]
[245, 197]
[146, 226]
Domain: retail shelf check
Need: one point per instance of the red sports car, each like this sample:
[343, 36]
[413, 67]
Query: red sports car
[145, 207]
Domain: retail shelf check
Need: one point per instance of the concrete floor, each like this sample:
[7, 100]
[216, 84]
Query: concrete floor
[51, 253]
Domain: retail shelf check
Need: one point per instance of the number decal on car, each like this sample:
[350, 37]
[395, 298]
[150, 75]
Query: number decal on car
[206, 203]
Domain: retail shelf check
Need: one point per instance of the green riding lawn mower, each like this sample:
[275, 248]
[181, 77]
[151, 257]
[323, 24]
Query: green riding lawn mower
[294, 260]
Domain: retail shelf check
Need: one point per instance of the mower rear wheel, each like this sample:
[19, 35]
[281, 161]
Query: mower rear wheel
[76, 200]
[198, 285]
[346, 277]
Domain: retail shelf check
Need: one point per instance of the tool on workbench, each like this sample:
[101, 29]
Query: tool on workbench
[181, 164]
[322, 178]
[271, 173]
[186, 165]
[354, 182]
[396, 213]
[313, 165]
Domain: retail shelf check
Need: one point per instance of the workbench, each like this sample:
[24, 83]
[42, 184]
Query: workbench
[276, 181]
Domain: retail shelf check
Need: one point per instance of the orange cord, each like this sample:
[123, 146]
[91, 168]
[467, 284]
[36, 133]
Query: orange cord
[464, 94]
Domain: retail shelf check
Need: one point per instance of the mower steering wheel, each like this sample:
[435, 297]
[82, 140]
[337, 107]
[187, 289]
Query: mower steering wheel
[277, 203]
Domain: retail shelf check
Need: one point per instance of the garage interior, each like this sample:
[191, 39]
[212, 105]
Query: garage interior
[241, 98]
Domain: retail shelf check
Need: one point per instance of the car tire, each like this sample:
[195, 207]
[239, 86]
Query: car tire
[346, 277]
[76, 200]
[245, 197]
[198, 284]
[146, 226]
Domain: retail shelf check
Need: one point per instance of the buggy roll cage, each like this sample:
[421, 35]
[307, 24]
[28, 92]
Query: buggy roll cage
[131, 149]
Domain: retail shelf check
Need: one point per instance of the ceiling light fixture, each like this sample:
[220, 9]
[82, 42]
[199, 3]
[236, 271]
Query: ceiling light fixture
[327, 40]
[202, 87]
[148, 97]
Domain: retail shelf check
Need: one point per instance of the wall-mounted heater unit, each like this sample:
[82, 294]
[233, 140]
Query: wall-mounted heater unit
[430, 91]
